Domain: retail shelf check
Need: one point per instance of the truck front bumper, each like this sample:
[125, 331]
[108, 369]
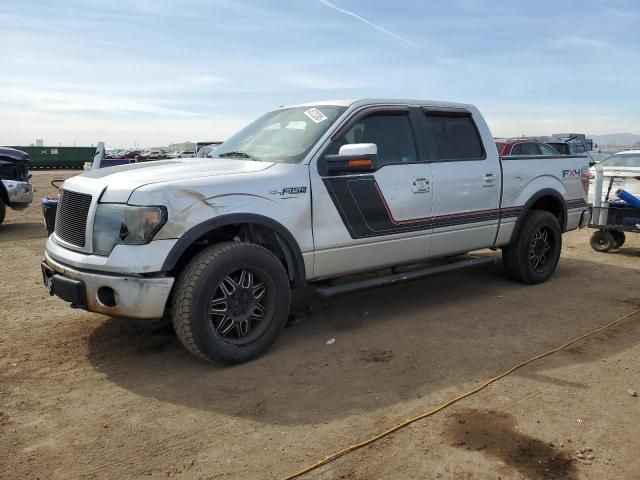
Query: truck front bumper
[114, 295]
[20, 194]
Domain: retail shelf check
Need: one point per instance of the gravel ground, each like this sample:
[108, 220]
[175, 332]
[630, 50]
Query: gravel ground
[87, 396]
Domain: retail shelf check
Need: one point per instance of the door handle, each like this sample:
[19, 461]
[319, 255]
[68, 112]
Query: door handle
[421, 185]
[489, 180]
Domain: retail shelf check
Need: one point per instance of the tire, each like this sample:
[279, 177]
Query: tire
[533, 256]
[602, 241]
[619, 238]
[3, 211]
[231, 302]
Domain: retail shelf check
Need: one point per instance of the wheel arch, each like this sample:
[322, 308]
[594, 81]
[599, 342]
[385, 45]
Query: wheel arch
[546, 199]
[256, 227]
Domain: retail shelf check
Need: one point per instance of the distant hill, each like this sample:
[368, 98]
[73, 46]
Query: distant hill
[618, 139]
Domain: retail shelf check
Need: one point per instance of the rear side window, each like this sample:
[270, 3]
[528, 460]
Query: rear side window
[453, 136]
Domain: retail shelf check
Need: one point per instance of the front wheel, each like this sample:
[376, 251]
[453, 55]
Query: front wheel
[534, 255]
[3, 211]
[231, 302]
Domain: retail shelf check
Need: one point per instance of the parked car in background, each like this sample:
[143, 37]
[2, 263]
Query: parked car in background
[15, 190]
[564, 143]
[568, 147]
[131, 153]
[185, 154]
[152, 155]
[625, 167]
[303, 195]
[521, 147]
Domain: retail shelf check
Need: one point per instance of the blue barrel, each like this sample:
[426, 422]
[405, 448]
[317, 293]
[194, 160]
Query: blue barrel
[628, 198]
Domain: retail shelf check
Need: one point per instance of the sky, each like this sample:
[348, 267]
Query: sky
[153, 72]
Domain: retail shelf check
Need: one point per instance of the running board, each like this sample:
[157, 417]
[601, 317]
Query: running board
[395, 278]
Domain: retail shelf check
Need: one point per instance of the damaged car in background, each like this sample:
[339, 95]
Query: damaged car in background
[15, 190]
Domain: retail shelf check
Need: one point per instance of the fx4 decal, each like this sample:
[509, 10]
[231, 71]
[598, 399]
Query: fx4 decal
[570, 174]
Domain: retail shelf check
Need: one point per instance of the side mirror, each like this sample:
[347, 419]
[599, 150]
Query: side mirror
[358, 157]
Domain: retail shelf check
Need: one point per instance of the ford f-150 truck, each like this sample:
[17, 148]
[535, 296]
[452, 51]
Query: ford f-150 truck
[304, 195]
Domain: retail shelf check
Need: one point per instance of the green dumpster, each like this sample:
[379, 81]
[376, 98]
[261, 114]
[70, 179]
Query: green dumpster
[58, 157]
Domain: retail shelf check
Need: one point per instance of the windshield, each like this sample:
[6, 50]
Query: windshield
[284, 136]
[622, 160]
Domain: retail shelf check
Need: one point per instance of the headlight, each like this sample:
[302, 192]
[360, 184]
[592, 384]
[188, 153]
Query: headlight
[125, 225]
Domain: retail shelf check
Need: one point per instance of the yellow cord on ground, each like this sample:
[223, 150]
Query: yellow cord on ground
[403, 424]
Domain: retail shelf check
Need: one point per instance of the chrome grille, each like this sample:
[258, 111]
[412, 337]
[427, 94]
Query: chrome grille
[71, 217]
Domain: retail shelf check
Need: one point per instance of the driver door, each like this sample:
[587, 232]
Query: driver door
[368, 220]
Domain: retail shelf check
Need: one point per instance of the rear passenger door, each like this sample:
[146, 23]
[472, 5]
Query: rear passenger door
[466, 182]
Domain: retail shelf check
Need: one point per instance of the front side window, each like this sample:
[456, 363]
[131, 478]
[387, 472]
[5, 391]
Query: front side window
[284, 136]
[390, 132]
[453, 137]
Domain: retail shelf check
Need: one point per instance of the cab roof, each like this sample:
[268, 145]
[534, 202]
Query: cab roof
[382, 101]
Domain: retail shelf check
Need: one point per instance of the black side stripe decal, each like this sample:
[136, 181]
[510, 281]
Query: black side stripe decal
[365, 212]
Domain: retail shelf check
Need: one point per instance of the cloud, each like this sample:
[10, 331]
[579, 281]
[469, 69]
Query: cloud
[586, 42]
[52, 100]
[364, 20]
[619, 13]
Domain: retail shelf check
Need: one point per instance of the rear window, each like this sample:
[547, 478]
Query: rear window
[453, 136]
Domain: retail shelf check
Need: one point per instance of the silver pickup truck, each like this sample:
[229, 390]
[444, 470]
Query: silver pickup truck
[303, 195]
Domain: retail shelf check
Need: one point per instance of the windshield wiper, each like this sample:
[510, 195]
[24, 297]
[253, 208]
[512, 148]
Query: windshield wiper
[240, 155]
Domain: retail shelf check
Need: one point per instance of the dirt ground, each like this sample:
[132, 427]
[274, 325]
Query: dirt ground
[87, 396]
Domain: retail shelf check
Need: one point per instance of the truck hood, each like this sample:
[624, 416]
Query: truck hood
[122, 180]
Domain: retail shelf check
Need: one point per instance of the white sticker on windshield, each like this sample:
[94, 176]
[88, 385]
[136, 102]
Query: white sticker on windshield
[316, 115]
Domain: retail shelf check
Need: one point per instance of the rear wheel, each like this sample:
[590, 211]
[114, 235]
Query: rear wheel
[534, 255]
[3, 211]
[602, 241]
[619, 238]
[231, 302]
